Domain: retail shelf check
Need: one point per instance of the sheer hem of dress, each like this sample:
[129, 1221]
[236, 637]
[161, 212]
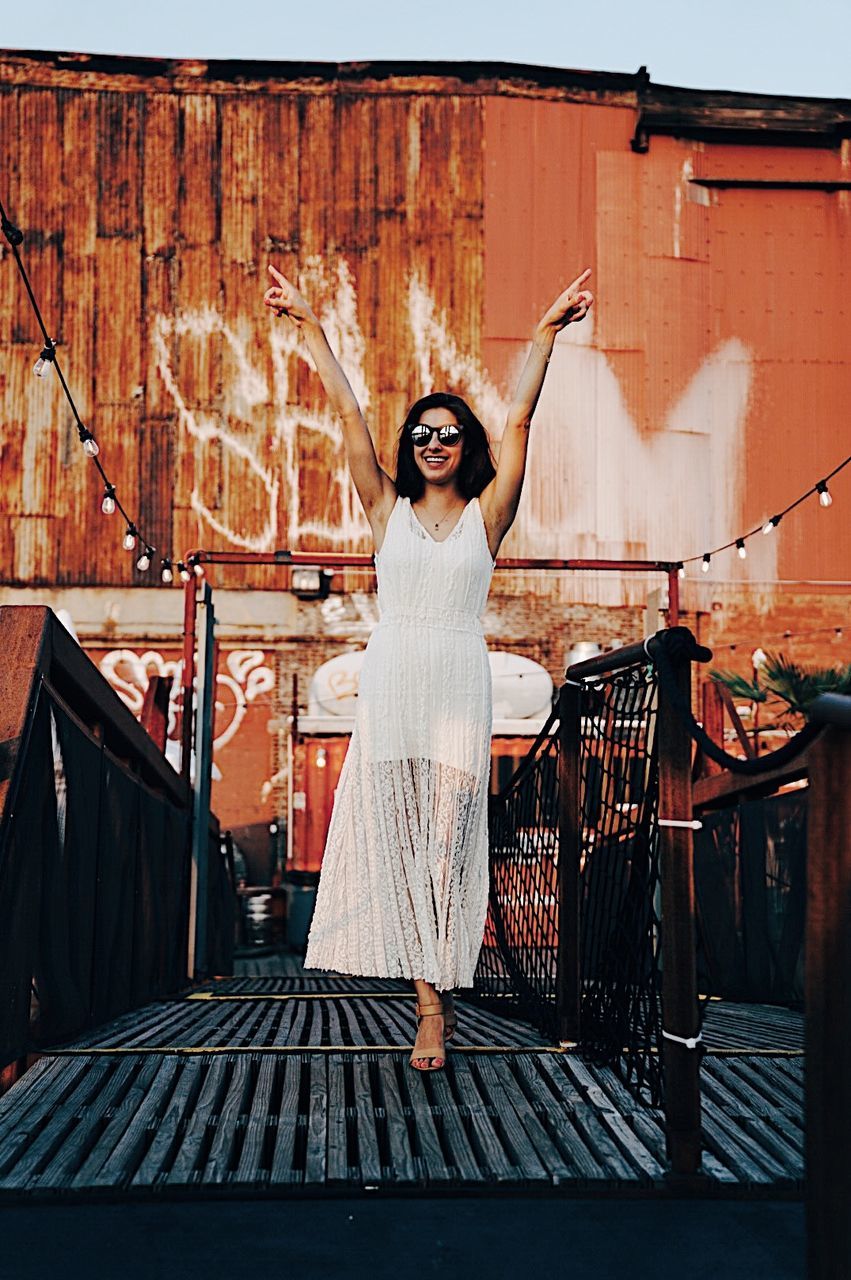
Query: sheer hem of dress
[403, 887]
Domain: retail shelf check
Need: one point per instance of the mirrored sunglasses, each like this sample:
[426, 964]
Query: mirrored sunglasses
[421, 433]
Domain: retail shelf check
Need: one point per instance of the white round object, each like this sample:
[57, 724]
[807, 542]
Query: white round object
[334, 687]
[522, 688]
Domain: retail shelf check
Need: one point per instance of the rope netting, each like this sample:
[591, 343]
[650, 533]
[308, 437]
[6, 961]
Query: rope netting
[619, 886]
[517, 964]
[620, 916]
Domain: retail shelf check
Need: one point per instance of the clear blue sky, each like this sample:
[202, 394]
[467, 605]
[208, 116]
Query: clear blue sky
[766, 46]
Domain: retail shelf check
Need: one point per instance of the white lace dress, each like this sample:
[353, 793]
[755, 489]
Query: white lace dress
[404, 881]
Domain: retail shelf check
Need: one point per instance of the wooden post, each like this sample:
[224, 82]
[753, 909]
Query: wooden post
[568, 968]
[198, 900]
[828, 1008]
[681, 1016]
[189, 608]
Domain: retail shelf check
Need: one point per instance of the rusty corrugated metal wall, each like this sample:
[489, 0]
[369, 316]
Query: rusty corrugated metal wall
[432, 218]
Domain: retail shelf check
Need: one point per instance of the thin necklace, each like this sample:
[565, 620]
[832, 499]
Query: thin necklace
[445, 517]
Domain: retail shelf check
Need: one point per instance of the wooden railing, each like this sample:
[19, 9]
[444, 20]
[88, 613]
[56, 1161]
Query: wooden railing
[95, 849]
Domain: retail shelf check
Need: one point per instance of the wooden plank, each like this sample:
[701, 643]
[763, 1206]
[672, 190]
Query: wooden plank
[282, 1157]
[489, 1149]
[756, 1164]
[790, 1157]
[401, 1157]
[166, 1136]
[62, 1122]
[431, 1152]
[220, 1157]
[70, 1170]
[534, 1151]
[568, 978]
[186, 1158]
[284, 1029]
[556, 1115]
[335, 1029]
[369, 1159]
[735, 1103]
[35, 1114]
[315, 1160]
[254, 1140]
[615, 1121]
[296, 1030]
[463, 1158]
[679, 944]
[773, 1086]
[120, 1164]
[721, 789]
[48, 1082]
[338, 1164]
[593, 1133]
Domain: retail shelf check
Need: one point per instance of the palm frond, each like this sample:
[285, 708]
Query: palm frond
[739, 686]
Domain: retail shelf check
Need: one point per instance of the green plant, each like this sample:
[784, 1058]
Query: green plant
[786, 687]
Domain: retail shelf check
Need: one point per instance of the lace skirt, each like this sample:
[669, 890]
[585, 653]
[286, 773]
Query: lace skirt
[404, 882]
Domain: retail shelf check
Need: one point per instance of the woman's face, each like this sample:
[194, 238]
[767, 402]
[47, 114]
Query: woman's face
[439, 462]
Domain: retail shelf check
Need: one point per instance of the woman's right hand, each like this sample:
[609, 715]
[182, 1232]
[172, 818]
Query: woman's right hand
[285, 300]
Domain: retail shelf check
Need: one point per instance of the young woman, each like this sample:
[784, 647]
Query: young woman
[404, 882]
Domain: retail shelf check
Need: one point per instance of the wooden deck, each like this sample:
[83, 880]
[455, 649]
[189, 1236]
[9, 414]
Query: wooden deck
[280, 1082]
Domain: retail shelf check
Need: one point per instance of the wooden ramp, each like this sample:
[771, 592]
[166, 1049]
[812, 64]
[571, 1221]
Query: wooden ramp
[284, 1082]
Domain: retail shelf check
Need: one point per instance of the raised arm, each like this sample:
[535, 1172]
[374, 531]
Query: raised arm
[374, 486]
[502, 496]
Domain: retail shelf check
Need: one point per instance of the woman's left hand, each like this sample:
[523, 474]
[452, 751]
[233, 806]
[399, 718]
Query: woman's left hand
[571, 305]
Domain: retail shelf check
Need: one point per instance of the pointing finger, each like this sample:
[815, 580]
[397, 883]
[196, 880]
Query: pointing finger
[580, 280]
[280, 279]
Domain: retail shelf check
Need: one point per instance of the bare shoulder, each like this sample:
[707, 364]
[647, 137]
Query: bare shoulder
[380, 512]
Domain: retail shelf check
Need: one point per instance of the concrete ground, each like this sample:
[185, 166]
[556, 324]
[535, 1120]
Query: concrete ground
[511, 1238]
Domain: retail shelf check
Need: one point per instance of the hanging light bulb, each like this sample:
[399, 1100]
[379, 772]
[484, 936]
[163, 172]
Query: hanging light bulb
[771, 525]
[130, 537]
[90, 445]
[143, 564]
[681, 570]
[705, 565]
[167, 573]
[824, 494]
[197, 567]
[741, 548]
[108, 504]
[42, 365]
[185, 574]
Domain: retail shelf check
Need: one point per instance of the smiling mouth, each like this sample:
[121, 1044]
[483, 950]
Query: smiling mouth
[437, 457]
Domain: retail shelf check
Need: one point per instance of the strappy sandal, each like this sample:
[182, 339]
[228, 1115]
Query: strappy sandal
[450, 1019]
[427, 1011]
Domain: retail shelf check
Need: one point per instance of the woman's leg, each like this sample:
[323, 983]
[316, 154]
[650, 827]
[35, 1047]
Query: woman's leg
[430, 1031]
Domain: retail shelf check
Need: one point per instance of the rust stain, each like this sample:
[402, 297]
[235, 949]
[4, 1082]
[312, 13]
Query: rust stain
[435, 212]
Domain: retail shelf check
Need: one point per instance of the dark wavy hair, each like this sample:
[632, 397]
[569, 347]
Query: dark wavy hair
[477, 467]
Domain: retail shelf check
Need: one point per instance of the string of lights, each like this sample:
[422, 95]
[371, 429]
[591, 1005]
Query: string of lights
[825, 498]
[133, 537]
[110, 503]
[838, 632]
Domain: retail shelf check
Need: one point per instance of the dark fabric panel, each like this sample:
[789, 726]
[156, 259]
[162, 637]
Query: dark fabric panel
[64, 970]
[118, 839]
[721, 960]
[151, 890]
[750, 881]
[28, 831]
[177, 831]
[221, 914]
